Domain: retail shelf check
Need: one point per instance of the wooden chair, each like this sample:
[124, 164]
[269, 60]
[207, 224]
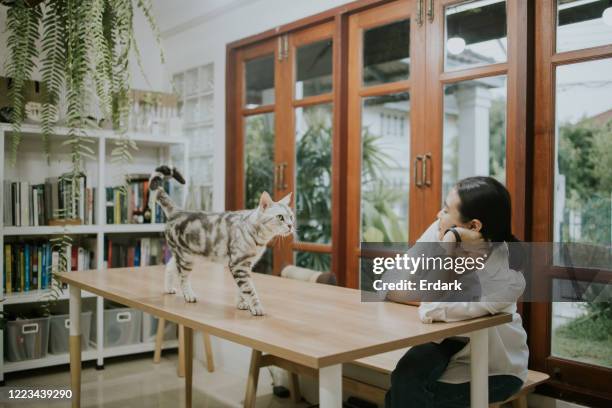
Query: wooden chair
[159, 339]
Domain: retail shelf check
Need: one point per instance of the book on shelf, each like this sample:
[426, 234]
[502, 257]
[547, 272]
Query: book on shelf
[130, 204]
[56, 201]
[119, 252]
[28, 266]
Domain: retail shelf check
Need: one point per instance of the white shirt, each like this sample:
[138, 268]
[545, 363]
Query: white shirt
[501, 288]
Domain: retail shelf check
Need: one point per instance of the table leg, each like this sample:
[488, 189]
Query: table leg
[479, 367]
[159, 339]
[330, 386]
[75, 345]
[188, 353]
[210, 363]
[180, 370]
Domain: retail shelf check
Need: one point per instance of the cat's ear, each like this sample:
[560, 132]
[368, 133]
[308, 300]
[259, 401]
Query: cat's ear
[265, 201]
[286, 199]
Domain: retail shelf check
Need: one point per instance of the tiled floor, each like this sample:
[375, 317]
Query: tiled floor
[140, 383]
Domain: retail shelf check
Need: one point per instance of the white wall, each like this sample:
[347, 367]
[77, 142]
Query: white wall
[204, 40]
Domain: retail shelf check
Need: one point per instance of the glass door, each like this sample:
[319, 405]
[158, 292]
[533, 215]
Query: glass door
[573, 194]
[285, 140]
[256, 130]
[385, 71]
[476, 78]
[307, 155]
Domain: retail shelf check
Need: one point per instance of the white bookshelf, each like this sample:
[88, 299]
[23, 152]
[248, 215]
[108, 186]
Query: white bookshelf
[87, 355]
[32, 166]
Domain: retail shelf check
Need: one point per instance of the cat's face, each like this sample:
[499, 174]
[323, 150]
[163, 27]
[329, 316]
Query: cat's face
[277, 216]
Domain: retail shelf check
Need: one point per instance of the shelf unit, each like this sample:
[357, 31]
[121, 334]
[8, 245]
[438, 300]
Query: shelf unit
[195, 88]
[32, 167]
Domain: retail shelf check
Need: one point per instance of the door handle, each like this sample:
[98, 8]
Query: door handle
[277, 177]
[430, 11]
[426, 175]
[419, 13]
[280, 48]
[418, 182]
[283, 181]
[286, 45]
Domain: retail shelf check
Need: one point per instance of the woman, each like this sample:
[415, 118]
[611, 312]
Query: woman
[477, 209]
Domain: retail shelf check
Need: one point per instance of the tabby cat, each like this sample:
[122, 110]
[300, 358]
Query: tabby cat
[236, 237]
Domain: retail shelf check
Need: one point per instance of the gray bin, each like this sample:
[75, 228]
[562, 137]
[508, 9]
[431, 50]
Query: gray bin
[149, 329]
[26, 339]
[121, 326]
[59, 332]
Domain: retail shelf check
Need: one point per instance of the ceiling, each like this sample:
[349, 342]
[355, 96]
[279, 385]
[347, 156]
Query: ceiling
[174, 15]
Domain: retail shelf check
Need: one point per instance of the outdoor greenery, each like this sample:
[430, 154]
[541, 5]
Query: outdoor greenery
[588, 337]
[313, 181]
[585, 158]
[497, 139]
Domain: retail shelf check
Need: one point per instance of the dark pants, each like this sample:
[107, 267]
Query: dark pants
[414, 382]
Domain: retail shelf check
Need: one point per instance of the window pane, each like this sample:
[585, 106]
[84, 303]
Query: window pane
[582, 331]
[313, 173]
[259, 77]
[385, 168]
[386, 53]
[476, 34]
[313, 260]
[583, 143]
[474, 130]
[259, 157]
[314, 69]
[583, 24]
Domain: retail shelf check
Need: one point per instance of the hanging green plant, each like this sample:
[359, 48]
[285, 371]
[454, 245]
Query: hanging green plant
[84, 43]
[79, 45]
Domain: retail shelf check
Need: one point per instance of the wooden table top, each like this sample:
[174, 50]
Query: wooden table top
[309, 323]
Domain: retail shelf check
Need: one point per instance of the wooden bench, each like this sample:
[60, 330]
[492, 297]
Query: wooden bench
[381, 364]
[386, 362]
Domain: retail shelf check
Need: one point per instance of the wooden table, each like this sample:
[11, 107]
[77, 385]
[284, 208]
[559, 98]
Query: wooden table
[316, 325]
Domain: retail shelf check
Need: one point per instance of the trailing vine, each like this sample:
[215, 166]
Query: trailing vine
[85, 45]
[22, 24]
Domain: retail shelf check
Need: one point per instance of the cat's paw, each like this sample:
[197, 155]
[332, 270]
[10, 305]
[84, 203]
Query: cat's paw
[189, 297]
[256, 310]
[242, 305]
[170, 291]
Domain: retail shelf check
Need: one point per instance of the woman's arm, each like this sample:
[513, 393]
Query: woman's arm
[401, 296]
[499, 301]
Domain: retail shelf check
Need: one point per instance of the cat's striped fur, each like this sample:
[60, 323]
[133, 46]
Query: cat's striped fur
[237, 238]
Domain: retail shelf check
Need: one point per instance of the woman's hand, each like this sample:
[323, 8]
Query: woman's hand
[467, 235]
[472, 243]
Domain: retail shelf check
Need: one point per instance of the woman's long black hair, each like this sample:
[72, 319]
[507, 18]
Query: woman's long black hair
[486, 199]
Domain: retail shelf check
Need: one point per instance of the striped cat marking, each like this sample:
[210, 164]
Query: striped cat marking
[237, 238]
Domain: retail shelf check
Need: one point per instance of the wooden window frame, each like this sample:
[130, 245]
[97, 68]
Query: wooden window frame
[579, 381]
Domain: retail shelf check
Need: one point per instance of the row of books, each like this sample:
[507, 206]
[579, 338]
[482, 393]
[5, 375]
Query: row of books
[119, 253]
[29, 266]
[57, 198]
[61, 198]
[131, 204]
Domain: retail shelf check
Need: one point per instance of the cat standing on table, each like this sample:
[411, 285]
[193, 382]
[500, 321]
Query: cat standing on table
[236, 237]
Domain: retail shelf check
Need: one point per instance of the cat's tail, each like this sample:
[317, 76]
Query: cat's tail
[156, 187]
